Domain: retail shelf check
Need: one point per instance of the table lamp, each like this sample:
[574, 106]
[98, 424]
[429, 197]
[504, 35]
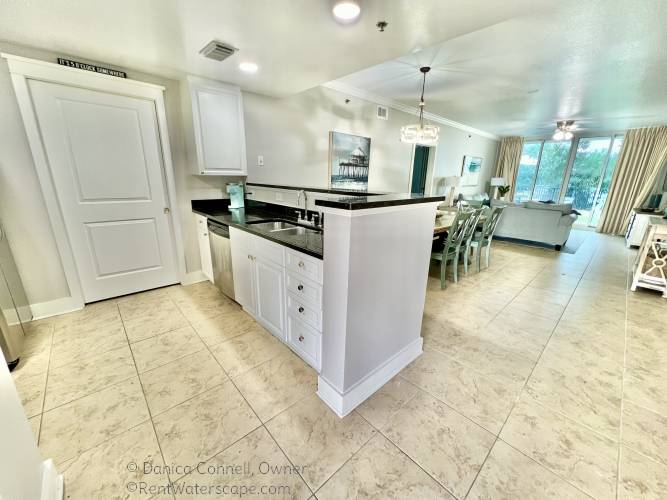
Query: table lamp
[451, 182]
[496, 182]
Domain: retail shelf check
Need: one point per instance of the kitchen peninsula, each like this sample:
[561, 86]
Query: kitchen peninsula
[347, 297]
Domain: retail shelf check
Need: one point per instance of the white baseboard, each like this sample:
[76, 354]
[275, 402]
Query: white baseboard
[52, 482]
[55, 307]
[344, 403]
[194, 277]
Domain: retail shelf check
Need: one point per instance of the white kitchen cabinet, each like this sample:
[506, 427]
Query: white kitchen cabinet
[270, 292]
[243, 268]
[204, 246]
[279, 293]
[218, 127]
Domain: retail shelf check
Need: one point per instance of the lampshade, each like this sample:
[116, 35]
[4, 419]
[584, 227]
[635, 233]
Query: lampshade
[452, 181]
[498, 181]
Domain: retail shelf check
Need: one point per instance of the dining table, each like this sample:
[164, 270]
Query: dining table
[443, 222]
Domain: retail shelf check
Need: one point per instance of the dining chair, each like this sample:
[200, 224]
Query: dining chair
[451, 246]
[483, 238]
[471, 228]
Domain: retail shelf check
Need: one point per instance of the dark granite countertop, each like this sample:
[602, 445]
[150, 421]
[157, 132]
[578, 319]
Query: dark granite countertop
[350, 192]
[377, 201]
[218, 211]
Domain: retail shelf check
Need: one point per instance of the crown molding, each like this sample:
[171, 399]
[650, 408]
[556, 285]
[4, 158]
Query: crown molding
[412, 110]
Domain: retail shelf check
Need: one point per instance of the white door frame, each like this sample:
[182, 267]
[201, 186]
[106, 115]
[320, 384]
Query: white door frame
[23, 69]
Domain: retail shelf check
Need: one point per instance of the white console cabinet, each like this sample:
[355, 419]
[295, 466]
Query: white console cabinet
[282, 289]
[637, 226]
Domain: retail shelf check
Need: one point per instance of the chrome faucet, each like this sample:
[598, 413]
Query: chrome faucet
[305, 199]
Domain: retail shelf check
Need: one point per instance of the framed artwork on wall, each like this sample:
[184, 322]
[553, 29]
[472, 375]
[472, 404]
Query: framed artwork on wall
[472, 168]
[349, 160]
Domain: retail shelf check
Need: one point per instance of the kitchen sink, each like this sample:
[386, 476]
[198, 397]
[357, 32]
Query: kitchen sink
[272, 225]
[283, 227]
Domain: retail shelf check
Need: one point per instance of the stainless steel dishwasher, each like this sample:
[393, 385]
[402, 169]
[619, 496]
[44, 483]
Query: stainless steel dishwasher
[221, 257]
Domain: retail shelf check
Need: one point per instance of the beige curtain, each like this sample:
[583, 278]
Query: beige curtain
[509, 157]
[642, 156]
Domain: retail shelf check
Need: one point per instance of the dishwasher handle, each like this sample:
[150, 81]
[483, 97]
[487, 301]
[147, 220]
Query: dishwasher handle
[218, 229]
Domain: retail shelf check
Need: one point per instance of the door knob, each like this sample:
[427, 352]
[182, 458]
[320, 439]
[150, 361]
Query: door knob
[301, 310]
[300, 338]
[300, 287]
[167, 210]
[301, 264]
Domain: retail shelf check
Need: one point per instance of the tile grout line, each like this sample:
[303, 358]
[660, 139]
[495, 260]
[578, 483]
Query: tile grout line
[379, 431]
[262, 423]
[628, 268]
[521, 391]
[373, 434]
[143, 392]
[46, 385]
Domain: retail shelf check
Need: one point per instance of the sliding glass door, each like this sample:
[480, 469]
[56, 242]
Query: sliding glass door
[550, 171]
[590, 177]
[542, 170]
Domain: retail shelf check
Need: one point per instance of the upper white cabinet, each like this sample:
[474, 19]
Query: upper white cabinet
[219, 133]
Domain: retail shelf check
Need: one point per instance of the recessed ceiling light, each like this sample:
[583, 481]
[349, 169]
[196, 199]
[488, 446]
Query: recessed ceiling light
[248, 67]
[346, 11]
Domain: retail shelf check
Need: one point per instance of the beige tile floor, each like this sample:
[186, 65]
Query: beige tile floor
[542, 377]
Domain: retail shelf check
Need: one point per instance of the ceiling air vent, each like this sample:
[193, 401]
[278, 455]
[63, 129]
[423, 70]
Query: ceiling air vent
[383, 113]
[217, 50]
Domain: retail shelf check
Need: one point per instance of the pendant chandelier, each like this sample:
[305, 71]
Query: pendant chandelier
[419, 133]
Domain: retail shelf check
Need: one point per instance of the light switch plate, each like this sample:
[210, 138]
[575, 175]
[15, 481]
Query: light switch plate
[260, 160]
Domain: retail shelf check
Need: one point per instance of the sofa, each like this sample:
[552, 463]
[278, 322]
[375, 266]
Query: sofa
[536, 222]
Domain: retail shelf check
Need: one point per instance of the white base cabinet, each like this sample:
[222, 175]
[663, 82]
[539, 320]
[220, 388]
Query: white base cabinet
[204, 246]
[275, 285]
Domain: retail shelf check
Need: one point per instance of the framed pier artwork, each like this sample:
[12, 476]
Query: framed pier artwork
[349, 159]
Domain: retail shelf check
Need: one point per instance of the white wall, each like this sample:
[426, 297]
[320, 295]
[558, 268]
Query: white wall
[20, 460]
[292, 134]
[453, 145]
[22, 207]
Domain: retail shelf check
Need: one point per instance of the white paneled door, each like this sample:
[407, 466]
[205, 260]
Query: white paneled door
[106, 163]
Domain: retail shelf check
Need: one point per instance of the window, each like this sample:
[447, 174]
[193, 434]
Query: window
[541, 170]
[551, 170]
[527, 170]
[547, 165]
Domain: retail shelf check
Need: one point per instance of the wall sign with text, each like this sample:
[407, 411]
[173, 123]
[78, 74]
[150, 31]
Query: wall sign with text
[91, 67]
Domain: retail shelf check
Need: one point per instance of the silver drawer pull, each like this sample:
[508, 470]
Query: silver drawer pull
[301, 264]
[300, 287]
[301, 309]
[300, 338]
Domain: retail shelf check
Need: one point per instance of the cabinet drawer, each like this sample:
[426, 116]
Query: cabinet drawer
[304, 311]
[304, 289]
[305, 341]
[269, 250]
[259, 247]
[303, 265]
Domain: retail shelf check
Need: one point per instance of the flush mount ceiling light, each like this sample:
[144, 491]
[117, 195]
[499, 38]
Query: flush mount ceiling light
[419, 133]
[564, 130]
[248, 67]
[346, 11]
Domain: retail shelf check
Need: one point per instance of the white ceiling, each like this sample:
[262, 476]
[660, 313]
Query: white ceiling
[296, 43]
[600, 62]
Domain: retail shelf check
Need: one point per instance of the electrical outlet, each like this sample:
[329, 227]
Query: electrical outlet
[260, 160]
